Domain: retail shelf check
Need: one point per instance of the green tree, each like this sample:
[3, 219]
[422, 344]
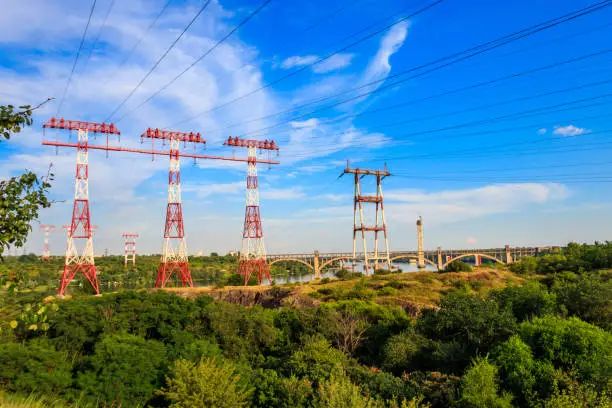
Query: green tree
[479, 388]
[33, 367]
[517, 367]
[578, 396]
[124, 370]
[464, 326]
[400, 351]
[22, 196]
[571, 345]
[340, 392]
[317, 361]
[526, 301]
[589, 298]
[207, 384]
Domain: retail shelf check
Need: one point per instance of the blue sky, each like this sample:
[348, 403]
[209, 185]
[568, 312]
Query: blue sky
[523, 160]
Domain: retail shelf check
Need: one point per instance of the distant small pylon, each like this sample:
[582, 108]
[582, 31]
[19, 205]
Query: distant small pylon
[129, 252]
[46, 255]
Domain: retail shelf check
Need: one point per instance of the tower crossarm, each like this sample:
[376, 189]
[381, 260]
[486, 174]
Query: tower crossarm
[369, 199]
[259, 144]
[93, 127]
[172, 135]
[370, 229]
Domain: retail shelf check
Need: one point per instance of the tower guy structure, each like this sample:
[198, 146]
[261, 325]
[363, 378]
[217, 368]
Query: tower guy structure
[253, 254]
[129, 250]
[174, 253]
[46, 255]
[79, 249]
[380, 225]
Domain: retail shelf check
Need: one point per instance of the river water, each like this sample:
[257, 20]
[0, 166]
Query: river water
[359, 267]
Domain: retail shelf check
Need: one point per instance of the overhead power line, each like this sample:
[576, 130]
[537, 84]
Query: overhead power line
[140, 39]
[482, 107]
[459, 57]
[479, 133]
[318, 61]
[154, 67]
[76, 58]
[197, 61]
[93, 47]
[449, 92]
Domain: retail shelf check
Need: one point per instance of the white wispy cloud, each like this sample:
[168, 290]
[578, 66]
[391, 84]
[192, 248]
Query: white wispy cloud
[457, 205]
[569, 130]
[334, 63]
[298, 61]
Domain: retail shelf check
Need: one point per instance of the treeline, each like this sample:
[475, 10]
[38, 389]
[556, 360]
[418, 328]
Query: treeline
[28, 272]
[519, 346]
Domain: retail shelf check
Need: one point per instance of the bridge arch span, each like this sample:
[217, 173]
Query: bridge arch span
[292, 260]
[330, 261]
[413, 257]
[474, 254]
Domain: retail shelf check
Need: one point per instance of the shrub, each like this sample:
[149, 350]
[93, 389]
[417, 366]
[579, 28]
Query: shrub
[387, 291]
[317, 361]
[458, 266]
[210, 383]
[479, 387]
[125, 369]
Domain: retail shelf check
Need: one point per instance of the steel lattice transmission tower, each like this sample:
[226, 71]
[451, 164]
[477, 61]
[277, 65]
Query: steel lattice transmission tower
[172, 223]
[129, 251]
[381, 223]
[253, 254]
[174, 253]
[46, 255]
[80, 233]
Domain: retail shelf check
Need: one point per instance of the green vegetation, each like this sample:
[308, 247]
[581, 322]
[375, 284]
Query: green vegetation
[539, 337]
[21, 196]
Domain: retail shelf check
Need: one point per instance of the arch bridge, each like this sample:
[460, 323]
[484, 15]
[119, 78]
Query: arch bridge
[439, 258]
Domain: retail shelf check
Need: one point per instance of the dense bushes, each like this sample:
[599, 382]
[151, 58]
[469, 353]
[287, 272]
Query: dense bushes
[536, 345]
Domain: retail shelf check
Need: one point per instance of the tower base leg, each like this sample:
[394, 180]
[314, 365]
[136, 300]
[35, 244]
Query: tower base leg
[167, 269]
[88, 270]
[259, 267]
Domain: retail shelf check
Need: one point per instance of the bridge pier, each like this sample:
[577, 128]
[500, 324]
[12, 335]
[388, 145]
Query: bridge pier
[508, 255]
[316, 265]
[477, 260]
[440, 261]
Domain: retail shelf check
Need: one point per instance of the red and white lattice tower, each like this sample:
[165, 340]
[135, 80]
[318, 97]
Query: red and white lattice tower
[174, 253]
[129, 251]
[253, 254]
[80, 232]
[46, 255]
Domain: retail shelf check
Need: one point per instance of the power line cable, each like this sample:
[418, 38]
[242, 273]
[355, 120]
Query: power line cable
[140, 39]
[493, 170]
[154, 67]
[475, 50]
[197, 61]
[91, 50]
[482, 107]
[523, 114]
[493, 45]
[318, 61]
[76, 59]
